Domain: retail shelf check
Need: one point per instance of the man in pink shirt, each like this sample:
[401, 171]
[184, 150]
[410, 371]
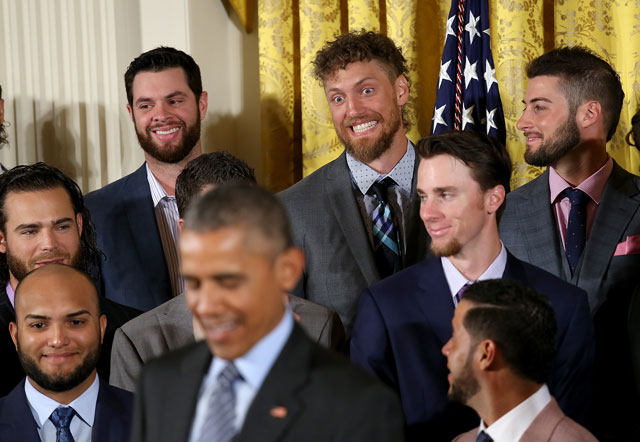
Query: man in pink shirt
[580, 220]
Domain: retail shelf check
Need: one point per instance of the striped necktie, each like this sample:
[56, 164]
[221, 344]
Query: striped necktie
[386, 250]
[220, 423]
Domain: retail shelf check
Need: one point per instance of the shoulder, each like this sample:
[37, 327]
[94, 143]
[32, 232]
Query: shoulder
[546, 282]
[303, 191]
[407, 280]
[115, 189]
[469, 436]
[170, 364]
[532, 189]
[569, 430]
[123, 397]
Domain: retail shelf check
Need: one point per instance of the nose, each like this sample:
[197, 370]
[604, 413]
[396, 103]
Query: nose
[354, 107]
[523, 122]
[160, 111]
[57, 336]
[204, 302]
[428, 210]
[48, 240]
[446, 347]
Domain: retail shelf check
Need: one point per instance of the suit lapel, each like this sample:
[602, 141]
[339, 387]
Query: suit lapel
[433, 298]
[144, 233]
[176, 323]
[416, 236]
[111, 420]
[339, 192]
[277, 404]
[618, 205]
[16, 420]
[545, 423]
[538, 227]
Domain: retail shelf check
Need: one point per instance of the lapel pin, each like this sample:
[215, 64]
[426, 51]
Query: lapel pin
[279, 412]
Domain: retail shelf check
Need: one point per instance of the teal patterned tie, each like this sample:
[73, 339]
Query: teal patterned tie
[61, 418]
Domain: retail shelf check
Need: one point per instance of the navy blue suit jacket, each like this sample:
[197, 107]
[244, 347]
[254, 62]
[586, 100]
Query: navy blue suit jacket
[134, 270]
[404, 321]
[112, 422]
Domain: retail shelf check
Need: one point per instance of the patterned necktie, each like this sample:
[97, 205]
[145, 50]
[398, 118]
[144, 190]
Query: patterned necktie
[220, 423]
[461, 291]
[385, 231]
[61, 418]
[483, 437]
[576, 236]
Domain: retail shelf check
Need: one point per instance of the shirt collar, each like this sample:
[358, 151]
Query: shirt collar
[254, 365]
[513, 424]
[157, 191]
[364, 176]
[457, 280]
[592, 186]
[42, 406]
[11, 294]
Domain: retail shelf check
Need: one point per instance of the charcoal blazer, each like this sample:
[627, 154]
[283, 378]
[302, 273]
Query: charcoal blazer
[112, 422]
[327, 225]
[325, 398]
[134, 269]
[404, 321]
[169, 327]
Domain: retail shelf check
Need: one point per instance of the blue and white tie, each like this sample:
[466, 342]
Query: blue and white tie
[61, 418]
[386, 251]
[219, 425]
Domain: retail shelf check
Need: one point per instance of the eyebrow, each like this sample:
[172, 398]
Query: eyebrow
[36, 225]
[358, 83]
[70, 315]
[534, 100]
[171, 95]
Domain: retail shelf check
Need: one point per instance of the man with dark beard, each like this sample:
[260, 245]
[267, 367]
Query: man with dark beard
[580, 219]
[136, 217]
[57, 333]
[356, 218]
[500, 357]
[403, 321]
[43, 221]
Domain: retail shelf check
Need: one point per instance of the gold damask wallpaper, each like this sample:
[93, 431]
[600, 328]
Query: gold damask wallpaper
[297, 133]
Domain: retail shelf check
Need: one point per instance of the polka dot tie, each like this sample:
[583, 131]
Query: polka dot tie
[61, 418]
[576, 236]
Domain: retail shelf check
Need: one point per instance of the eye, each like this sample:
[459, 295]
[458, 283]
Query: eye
[144, 106]
[191, 283]
[423, 198]
[175, 101]
[76, 322]
[367, 91]
[64, 226]
[337, 99]
[37, 325]
[28, 232]
[230, 282]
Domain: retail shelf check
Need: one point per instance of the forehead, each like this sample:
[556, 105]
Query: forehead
[544, 86]
[222, 245]
[162, 83]
[356, 72]
[444, 171]
[55, 294]
[37, 205]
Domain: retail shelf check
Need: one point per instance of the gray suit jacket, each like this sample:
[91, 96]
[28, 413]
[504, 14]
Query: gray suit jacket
[528, 229]
[550, 425]
[169, 327]
[327, 224]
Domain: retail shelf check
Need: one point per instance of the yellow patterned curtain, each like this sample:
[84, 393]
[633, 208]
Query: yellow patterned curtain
[297, 132]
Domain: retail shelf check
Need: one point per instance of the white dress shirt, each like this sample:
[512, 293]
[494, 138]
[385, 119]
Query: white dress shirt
[81, 424]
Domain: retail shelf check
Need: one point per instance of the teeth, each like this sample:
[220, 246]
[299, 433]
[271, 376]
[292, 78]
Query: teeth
[167, 132]
[223, 327]
[364, 126]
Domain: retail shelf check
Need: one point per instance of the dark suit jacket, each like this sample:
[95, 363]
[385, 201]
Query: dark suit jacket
[325, 397]
[169, 327]
[404, 321]
[529, 230]
[112, 419]
[551, 425]
[12, 372]
[134, 270]
[327, 224]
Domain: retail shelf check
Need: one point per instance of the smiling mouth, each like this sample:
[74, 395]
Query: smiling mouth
[363, 127]
[166, 132]
[50, 261]
[220, 331]
[58, 358]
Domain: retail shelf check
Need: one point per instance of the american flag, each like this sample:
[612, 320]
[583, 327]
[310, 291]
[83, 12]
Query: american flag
[468, 97]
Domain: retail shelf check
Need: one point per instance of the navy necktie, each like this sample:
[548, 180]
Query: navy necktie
[483, 437]
[576, 236]
[220, 423]
[61, 418]
[386, 250]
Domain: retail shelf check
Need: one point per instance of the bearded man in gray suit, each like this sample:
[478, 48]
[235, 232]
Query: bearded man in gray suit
[580, 219]
[356, 218]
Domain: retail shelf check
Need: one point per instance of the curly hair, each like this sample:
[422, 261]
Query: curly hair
[37, 177]
[633, 137]
[3, 133]
[361, 46]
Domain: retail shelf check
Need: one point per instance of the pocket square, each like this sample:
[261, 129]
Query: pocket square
[629, 246]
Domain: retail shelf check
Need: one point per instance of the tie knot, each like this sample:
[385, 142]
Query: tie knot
[576, 196]
[228, 375]
[483, 437]
[380, 188]
[61, 416]
[462, 290]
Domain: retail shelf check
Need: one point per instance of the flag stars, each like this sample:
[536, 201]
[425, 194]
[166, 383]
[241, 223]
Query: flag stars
[437, 117]
[469, 72]
[444, 75]
[489, 76]
[467, 116]
[471, 27]
[450, 27]
[490, 123]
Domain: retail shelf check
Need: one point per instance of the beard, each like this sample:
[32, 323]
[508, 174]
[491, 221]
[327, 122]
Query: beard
[19, 268]
[367, 151]
[464, 386]
[565, 138]
[171, 153]
[61, 381]
[451, 248]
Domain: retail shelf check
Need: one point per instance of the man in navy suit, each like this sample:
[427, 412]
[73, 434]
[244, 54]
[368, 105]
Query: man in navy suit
[58, 332]
[404, 320]
[136, 217]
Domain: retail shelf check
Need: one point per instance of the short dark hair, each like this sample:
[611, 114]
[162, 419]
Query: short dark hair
[3, 133]
[209, 169]
[487, 158]
[159, 59]
[241, 205]
[361, 46]
[37, 177]
[633, 137]
[583, 76]
[519, 320]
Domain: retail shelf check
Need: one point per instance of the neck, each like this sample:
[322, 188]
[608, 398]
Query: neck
[477, 255]
[388, 160]
[167, 173]
[68, 396]
[501, 396]
[582, 162]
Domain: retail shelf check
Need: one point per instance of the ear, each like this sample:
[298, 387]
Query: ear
[289, 267]
[486, 354]
[3, 242]
[79, 223]
[13, 330]
[103, 327]
[402, 90]
[494, 198]
[203, 103]
[180, 224]
[588, 113]
[131, 114]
